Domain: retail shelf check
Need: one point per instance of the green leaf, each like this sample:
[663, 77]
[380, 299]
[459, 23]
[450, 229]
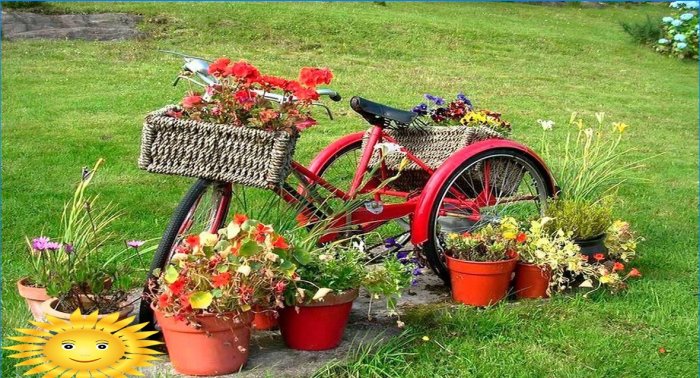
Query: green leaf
[170, 274]
[301, 256]
[249, 248]
[222, 268]
[156, 272]
[218, 293]
[221, 245]
[201, 299]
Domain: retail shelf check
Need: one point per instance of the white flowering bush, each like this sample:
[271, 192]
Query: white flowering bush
[680, 32]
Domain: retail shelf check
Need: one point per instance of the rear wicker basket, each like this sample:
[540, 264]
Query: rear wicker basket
[241, 155]
[433, 145]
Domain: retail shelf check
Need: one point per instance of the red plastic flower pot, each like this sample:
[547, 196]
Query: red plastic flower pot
[480, 283]
[219, 347]
[265, 319]
[317, 326]
[531, 281]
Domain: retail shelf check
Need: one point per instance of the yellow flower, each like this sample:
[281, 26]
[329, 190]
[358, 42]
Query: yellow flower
[620, 126]
[605, 279]
[510, 235]
[426, 338]
[208, 239]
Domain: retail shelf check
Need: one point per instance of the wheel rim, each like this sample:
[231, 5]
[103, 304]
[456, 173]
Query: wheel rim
[516, 188]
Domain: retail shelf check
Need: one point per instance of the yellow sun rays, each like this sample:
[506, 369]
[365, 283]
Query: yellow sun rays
[130, 353]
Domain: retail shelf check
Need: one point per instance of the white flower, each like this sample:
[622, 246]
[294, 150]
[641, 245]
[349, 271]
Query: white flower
[388, 148]
[208, 239]
[321, 293]
[546, 124]
[244, 270]
[588, 132]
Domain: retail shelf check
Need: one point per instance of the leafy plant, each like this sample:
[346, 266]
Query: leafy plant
[621, 241]
[647, 32]
[680, 32]
[580, 219]
[247, 264]
[460, 112]
[489, 243]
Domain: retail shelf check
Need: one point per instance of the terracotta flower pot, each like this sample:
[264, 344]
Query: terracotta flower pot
[593, 246]
[220, 346]
[531, 281]
[317, 326]
[49, 308]
[34, 297]
[265, 319]
[480, 283]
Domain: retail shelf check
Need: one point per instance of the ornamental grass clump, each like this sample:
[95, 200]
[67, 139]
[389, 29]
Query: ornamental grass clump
[489, 243]
[238, 98]
[581, 219]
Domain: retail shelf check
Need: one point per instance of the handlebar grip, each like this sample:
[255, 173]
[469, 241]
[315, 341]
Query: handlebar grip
[335, 97]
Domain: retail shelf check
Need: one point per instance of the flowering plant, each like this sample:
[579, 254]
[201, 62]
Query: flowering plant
[489, 243]
[80, 268]
[247, 264]
[238, 98]
[621, 241]
[612, 276]
[680, 32]
[460, 112]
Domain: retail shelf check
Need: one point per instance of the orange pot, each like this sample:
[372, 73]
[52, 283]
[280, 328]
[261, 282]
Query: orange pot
[49, 308]
[34, 297]
[480, 283]
[219, 347]
[531, 281]
[265, 319]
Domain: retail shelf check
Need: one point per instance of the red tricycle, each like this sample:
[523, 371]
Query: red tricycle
[476, 185]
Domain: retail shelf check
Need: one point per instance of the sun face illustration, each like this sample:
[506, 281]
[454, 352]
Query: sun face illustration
[84, 346]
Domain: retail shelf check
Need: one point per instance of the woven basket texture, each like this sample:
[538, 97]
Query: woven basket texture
[241, 155]
[435, 144]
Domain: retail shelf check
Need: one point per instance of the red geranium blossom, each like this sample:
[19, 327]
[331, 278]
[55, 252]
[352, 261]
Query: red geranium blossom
[618, 266]
[177, 286]
[221, 279]
[192, 241]
[218, 68]
[273, 81]
[244, 70]
[599, 257]
[239, 219]
[279, 242]
[163, 300]
[191, 101]
[306, 94]
[245, 96]
[521, 238]
[311, 76]
[634, 273]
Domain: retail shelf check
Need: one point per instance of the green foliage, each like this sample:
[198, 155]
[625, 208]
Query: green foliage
[646, 33]
[489, 243]
[582, 219]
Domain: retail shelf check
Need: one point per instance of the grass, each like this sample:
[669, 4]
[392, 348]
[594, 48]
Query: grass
[67, 103]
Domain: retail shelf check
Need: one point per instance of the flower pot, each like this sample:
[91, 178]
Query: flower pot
[34, 297]
[319, 325]
[480, 283]
[265, 319]
[49, 308]
[592, 246]
[219, 347]
[531, 281]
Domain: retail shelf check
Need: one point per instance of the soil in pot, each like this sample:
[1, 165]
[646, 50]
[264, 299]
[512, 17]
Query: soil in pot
[220, 346]
[317, 326]
[480, 283]
[531, 281]
[265, 319]
[53, 307]
[592, 246]
[34, 296]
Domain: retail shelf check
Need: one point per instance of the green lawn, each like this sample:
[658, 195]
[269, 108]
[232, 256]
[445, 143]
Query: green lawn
[67, 103]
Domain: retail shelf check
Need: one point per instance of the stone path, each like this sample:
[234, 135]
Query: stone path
[91, 27]
[269, 356]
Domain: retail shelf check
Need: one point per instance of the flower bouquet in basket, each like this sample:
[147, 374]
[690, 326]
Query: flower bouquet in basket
[233, 131]
[204, 300]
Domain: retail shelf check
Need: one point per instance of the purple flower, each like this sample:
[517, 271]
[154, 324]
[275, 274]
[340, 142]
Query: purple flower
[135, 244]
[401, 255]
[53, 246]
[437, 100]
[417, 272]
[68, 248]
[40, 243]
[414, 282]
[464, 99]
[421, 109]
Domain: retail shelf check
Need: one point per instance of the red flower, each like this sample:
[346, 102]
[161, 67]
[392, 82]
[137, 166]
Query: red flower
[177, 286]
[174, 113]
[245, 96]
[662, 350]
[292, 86]
[302, 219]
[306, 94]
[218, 68]
[239, 219]
[245, 71]
[245, 293]
[268, 115]
[280, 286]
[279, 242]
[466, 234]
[260, 232]
[521, 238]
[191, 101]
[599, 257]
[311, 77]
[618, 266]
[305, 124]
[221, 279]
[192, 241]
[634, 273]
[272, 81]
[164, 300]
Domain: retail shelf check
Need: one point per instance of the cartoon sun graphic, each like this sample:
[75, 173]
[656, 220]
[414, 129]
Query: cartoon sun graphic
[85, 346]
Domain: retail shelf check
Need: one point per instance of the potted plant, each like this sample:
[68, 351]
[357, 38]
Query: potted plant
[203, 300]
[547, 261]
[481, 263]
[319, 300]
[586, 222]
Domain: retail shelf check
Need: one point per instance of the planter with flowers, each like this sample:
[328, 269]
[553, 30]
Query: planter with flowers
[329, 278]
[481, 263]
[233, 132]
[547, 262]
[204, 298]
[80, 270]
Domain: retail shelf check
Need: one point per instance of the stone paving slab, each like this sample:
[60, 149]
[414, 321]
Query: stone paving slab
[90, 27]
[270, 357]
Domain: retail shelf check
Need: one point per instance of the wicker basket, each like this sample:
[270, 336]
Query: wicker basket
[241, 155]
[433, 145]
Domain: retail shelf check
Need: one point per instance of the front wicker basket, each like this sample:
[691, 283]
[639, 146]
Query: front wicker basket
[241, 155]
